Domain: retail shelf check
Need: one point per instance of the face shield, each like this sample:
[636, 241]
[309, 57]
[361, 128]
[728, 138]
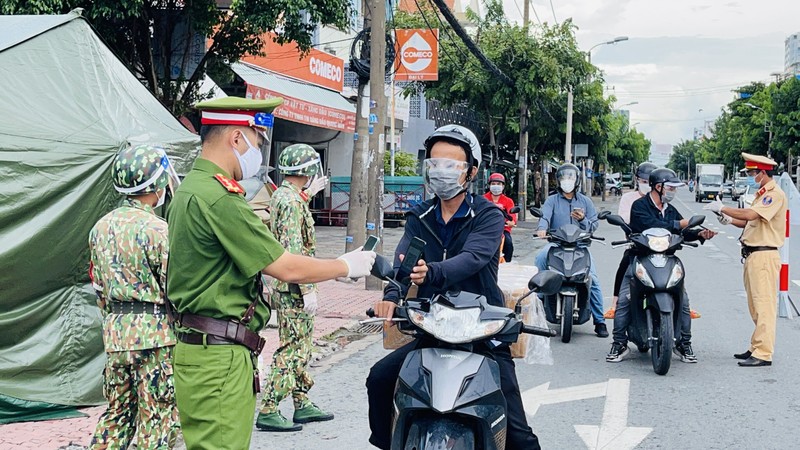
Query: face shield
[567, 179]
[165, 168]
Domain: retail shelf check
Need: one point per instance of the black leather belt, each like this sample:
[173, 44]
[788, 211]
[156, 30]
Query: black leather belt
[197, 339]
[122, 307]
[747, 250]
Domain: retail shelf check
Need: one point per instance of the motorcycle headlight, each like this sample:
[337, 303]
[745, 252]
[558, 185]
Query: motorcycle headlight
[658, 243]
[643, 276]
[676, 276]
[455, 326]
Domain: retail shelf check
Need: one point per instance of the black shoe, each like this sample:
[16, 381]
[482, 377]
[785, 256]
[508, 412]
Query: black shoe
[685, 353]
[754, 362]
[600, 330]
[618, 352]
[745, 355]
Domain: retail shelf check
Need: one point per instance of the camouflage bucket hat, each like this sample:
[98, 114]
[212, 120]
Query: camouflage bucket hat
[141, 169]
[299, 159]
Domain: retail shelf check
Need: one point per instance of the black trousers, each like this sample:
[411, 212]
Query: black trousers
[380, 390]
[623, 267]
[508, 247]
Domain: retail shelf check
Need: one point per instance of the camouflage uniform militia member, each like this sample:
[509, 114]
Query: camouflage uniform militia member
[292, 225]
[129, 258]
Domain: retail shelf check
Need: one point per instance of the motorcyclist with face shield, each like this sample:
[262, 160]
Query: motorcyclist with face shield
[655, 211]
[462, 233]
[565, 207]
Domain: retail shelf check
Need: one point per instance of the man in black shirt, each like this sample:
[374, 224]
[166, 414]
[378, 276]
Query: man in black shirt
[655, 211]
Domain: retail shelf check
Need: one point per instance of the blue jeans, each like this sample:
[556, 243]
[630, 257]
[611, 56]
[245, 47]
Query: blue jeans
[595, 295]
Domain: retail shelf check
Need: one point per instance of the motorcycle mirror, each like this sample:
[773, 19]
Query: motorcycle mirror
[614, 219]
[514, 210]
[382, 268]
[695, 221]
[546, 282]
[535, 211]
[603, 214]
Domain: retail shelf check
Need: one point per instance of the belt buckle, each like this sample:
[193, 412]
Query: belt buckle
[261, 343]
[156, 310]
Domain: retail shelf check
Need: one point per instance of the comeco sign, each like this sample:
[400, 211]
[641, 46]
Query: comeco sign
[325, 69]
[416, 54]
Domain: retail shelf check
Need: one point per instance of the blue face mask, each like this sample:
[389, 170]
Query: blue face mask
[751, 181]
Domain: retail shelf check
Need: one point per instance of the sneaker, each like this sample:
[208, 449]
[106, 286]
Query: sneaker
[600, 330]
[618, 352]
[694, 314]
[276, 422]
[610, 313]
[311, 413]
[685, 353]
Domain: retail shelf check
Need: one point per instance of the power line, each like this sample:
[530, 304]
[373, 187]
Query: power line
[427, 24]
[535, 14]
[554, 11]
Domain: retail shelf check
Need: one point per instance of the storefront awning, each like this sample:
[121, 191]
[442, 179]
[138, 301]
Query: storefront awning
[303, 103]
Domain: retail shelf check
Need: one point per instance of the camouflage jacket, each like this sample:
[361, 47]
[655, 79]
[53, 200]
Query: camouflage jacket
[292, 225]
[129, 248]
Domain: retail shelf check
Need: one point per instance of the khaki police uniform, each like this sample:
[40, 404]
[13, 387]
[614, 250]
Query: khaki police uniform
[762, 268]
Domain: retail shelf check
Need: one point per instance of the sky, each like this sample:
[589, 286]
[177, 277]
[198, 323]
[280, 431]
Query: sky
[683, 57]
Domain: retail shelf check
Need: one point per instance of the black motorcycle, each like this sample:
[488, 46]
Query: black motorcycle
[448, 394]
[656, 289]
[570, 258]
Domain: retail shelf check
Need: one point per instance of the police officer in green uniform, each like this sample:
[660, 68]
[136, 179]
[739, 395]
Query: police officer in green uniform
[293, 226]
[218, 250]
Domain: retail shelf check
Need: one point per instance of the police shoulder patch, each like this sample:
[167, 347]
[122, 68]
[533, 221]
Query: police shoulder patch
[767, 200]
[229, 184]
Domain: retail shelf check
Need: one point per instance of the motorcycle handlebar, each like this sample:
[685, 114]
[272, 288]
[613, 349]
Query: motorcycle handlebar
[598, 238]
[619, 242]
[370, 312]
[539, 331]
[690, 244]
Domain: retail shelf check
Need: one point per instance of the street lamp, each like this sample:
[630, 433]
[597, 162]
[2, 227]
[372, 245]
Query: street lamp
[611, 42]
[627, 104]
[767, 126]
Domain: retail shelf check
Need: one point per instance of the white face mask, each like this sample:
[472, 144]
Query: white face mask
[250, 162]
[567, 185]
[644, 189]
[496, 189]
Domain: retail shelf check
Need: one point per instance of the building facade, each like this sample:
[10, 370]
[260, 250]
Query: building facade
[792, 58]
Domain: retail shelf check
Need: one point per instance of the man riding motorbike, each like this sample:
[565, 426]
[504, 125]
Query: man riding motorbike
[461, 232]
[570, 206]
[656, 211]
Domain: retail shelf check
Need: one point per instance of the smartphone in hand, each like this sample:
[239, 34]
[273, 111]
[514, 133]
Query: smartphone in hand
[372, 242]
[412, 256]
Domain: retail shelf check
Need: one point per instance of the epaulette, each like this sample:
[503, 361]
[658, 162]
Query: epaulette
[761, 191]
[229, 184]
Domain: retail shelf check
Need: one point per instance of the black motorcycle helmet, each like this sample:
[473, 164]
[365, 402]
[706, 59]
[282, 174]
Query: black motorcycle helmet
[566, 169]
[660, 176]
[645, 169]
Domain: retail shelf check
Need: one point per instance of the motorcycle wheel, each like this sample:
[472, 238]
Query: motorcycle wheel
[662, 350]
[568, 305]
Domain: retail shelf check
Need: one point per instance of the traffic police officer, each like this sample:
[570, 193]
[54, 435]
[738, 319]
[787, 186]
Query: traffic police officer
[293, 226]
[218, 250]
[128, 248]
[764, 224]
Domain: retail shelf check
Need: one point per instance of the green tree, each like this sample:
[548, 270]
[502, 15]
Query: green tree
[405, 164]
[140, 30]
[625, 145]
[684, 157]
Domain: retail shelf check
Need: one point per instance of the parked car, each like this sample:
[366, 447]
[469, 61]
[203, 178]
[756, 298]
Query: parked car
[627, 180]
[727, 189]
[747, 198]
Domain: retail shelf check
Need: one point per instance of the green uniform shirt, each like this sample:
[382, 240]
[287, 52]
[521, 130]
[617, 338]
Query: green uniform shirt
[293, 226]
[217, 246]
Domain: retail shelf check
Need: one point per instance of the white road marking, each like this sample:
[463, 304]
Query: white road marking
[614, 432]
[731, 237]
[541, 395]
[797, 282]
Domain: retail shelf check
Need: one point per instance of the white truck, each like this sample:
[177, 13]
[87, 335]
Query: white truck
[708, 181]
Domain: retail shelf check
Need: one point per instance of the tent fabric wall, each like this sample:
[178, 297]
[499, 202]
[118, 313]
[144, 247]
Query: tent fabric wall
[68, 104]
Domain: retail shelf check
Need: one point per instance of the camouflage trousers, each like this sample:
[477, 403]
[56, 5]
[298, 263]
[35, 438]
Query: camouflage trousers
[288, 374]
[141, 401]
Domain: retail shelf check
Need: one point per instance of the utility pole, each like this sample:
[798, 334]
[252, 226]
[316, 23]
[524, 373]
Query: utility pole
[568, 139]
[522, 166]
[357, 210]
[377, 138]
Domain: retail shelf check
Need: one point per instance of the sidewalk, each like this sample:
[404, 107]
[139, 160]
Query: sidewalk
[341, 306]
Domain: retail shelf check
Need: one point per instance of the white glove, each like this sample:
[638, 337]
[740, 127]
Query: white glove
[359, 263]
[725, 219]
[317, 185]
[714, 206]
[310, 303]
